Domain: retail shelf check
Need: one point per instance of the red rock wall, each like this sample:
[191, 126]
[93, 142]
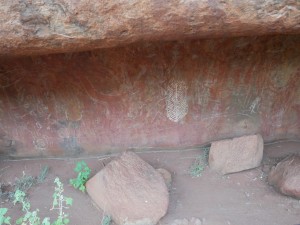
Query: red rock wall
[35, 27]
[150, 95]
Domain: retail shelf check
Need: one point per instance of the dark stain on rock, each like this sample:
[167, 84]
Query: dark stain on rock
[71, 146]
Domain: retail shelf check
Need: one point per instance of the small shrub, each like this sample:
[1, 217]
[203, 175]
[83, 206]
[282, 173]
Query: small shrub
[4, 219]
[43, 174]
[106, 220]
[83, 174]
[23, 184]
[200, 163]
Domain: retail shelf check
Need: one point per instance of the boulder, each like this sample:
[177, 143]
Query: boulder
[285, 176]
[130, 190]
[166, 175]
[43, 27]
[237, 154]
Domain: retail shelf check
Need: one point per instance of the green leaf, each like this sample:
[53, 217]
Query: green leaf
[82, 188]
[69, 201]
[106, 220]
[7, 220]
[3, 211]
[55, 202]
[46, 221]
[66, 221]
[19, 221]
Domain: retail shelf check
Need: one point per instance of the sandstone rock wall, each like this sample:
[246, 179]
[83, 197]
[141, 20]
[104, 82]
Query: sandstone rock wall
[150, 95]
[30, 27]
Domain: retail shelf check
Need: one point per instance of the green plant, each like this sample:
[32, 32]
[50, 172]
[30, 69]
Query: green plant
[83, 174]
[106, 220]
[200, 163]
[60, 202]
[24, 183]
[4, 219]
[43, 174]
[30, 217]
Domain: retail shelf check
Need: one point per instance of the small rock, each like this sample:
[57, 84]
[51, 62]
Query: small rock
[192, 221]
[166, 175]
[285, 176]
[130, 190]
[237, 154]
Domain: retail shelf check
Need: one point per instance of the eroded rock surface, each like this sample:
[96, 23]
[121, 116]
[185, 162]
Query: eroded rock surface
[285, 176]
[237, 154]
[42, 27]
[130, 190]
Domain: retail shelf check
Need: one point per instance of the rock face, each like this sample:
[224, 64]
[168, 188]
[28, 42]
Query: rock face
[130, 190]
[237, 154]
[41, 27]
[285, 176]
[107, 100]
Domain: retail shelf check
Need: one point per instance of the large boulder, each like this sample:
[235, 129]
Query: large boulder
[285, 176]
[130, 190]
[42, 27]
[237, 154]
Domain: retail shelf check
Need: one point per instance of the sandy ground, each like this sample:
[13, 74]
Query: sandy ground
[243, 198]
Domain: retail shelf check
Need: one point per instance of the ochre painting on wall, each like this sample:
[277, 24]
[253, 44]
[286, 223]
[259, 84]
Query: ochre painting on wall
[150, 95]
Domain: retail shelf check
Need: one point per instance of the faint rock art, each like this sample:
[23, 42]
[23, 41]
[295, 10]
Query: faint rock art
[277, 118]
[282, 75]
[40, 144]
[71, 146]
[212, 127]
[176, 100]
[254, 105]
[7, 145]
[204, 99]
[136, 105]
[38, 125]
[73, 109]
[32, 104]
[202, 92]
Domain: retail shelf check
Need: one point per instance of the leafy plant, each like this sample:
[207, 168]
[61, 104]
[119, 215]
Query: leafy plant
[20, 197]
[30, 217]
[60, 202]
[200, 163]
[83, 174]
[4, 219]
[106, 220]
[23, 183]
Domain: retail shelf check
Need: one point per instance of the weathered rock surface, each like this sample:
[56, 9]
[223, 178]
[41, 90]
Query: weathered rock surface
[42, 27]
[111, 99]
[285, 176]
[166, 175]
[237, 154]
[130, 190]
